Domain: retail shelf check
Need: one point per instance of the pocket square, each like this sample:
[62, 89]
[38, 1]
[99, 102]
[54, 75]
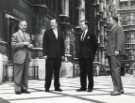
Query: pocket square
[88, 37]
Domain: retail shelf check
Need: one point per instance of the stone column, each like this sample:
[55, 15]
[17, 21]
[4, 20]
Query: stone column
[65, 7]
[82, 10]
[129, 3]
[116, 3]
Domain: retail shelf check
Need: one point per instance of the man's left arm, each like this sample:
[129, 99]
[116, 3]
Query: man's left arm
[120, 40]
[62, 44]
[94, 42]
[30, 42]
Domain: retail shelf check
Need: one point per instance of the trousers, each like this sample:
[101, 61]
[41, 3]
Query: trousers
[52, 69]
[86, 71]
[21, 76]
[115, 66]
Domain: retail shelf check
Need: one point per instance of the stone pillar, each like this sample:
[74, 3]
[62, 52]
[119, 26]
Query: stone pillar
[129, 3]
[1, 70]
[116, 3]
[3, 62]
[82, 10]
[65, 7]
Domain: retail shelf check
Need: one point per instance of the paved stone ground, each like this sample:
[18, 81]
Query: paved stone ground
[100, 94]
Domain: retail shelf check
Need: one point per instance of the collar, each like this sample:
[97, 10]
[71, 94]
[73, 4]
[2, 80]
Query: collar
[55, 29]
[114, 26]
[20, 31]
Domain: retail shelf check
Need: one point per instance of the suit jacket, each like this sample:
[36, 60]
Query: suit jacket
[115, 41]
[52, 47]
[20, 51]
[88, 46]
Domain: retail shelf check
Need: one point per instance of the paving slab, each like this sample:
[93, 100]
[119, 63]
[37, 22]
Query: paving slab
[100, 94]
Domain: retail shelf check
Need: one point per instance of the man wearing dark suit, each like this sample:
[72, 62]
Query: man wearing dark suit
[87, 49]
[114, 48]
[53, 50]
[21, 44]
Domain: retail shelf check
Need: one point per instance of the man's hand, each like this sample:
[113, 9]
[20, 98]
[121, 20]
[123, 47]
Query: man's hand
[67, 55]
[30, 46]
[63, 57]
[116, 52]
[45, 57]
[26, 43]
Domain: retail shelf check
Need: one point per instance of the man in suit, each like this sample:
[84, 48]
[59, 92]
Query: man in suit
[53, 50]
[114, 48]
[21, 44]
[87, 49]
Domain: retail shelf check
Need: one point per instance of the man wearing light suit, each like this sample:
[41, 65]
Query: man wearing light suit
[114, 49]
[21, 44]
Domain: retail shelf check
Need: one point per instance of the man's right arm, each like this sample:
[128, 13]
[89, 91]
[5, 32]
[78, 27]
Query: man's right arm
[120, 39]
[15, 44]
[45, 44]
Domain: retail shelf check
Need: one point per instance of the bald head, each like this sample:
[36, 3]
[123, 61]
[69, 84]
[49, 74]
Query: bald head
[23, 25]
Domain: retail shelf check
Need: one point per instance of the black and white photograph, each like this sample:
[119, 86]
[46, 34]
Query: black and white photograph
[67, 51]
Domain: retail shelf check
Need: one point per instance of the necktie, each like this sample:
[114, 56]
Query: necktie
[82, 36]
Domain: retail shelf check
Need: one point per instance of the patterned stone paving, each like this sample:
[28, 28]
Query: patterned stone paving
[100, 94]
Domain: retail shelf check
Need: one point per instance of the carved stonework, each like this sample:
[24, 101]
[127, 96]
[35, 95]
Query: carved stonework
[3, 46]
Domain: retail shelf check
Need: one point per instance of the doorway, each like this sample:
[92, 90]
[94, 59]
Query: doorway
[11, 27]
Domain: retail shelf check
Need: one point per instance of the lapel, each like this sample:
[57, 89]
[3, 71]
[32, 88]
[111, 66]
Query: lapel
[81, 37]
[22, 37]
[86, 36]
[58, 33]
[112, 33]
[53, 35]
[114, 28]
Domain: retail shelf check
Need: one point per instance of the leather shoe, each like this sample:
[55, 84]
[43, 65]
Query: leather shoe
[115, 93]
[25, 91]
[122, 91]
[58, 89]
[17, 92]
[89, 90]
[81, 89]
[47, 90]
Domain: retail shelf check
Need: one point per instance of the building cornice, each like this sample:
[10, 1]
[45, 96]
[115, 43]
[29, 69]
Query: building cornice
[126, 10]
